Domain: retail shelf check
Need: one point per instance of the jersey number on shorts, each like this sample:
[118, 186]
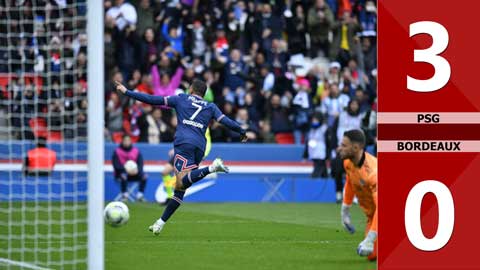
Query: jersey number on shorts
[199, 108]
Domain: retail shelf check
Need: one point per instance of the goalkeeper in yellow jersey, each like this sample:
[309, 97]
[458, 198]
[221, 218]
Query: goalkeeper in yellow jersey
[361, 181]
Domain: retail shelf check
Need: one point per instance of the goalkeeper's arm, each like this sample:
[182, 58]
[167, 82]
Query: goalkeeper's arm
[149, 99]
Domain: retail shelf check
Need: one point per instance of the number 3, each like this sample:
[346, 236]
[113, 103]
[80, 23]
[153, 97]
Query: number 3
[431, 55]
[446, 215]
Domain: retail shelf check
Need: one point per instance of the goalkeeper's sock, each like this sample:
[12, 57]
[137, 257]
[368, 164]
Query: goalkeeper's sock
[194, 176]
[173, 204]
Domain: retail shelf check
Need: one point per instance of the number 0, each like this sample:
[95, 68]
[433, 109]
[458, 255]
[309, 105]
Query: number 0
[431, 55]
[446, 215]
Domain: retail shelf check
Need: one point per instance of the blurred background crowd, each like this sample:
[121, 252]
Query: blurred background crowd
[286, 70]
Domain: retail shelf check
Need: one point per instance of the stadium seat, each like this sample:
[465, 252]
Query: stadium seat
[284, 138]
[39, 127]
[55, 136]
[117, 137]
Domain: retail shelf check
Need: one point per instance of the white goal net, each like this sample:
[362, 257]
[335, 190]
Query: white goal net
[43, 98]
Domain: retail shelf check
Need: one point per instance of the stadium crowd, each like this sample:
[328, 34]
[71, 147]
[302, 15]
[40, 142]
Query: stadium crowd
[281, 68]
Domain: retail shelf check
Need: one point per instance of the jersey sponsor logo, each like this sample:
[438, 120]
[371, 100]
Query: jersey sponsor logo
[192, 123]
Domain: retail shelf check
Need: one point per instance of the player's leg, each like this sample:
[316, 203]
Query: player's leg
[187, 158]
[195, 175]
[123, 187]
[184, 161]
[168, 180]
[142, 179]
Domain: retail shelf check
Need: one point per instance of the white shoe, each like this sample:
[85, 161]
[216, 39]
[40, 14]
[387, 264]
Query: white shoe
[140, 197]
[217, 166]
[157, 227]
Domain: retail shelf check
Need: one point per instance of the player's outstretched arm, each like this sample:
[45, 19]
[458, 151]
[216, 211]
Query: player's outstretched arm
[224, 120]
[149, 99]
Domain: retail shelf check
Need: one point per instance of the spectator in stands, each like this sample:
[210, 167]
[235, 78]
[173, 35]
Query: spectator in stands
[344, 38]
[145, 17]
[316, 146]
[123, 13]
[163, 84]
[156, 127]
[174, 36]
[349, 119]
[246, 124]
[303, 107]
[114, 114]
[279, 122]
[269, 25]
[334, 104]
[235, 73]
[320, 22]
[149, 48]
[40, 161]
[123, 153]
[296, 29]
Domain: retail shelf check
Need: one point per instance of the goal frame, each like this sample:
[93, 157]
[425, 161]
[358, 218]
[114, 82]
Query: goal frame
[95, 26]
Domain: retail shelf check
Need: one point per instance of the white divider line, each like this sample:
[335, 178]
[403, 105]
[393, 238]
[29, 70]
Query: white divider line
[444, 146]
[444, 118]
[241, 169]
[22, 264]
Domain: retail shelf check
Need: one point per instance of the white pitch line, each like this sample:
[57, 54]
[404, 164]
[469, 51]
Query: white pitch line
[233, 242]
[23, 264]
[241, 169]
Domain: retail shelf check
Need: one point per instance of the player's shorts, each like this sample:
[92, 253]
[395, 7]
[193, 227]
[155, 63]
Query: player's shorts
[186, 157]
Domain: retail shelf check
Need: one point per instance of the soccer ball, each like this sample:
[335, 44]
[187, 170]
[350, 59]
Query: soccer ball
[116, 214]
[131, 167]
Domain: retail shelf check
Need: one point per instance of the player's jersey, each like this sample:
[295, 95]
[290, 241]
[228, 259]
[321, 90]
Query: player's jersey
[193, 115]
[362, 182]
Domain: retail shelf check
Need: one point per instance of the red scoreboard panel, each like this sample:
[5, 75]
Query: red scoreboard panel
[428, 134]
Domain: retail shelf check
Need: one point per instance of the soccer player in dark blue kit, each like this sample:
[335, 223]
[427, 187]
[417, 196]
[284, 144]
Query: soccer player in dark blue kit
[194, 115]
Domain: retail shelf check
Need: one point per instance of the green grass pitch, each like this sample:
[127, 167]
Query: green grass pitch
[237, 236]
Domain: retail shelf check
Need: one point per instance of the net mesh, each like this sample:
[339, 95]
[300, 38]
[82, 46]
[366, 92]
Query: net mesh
[43, 217]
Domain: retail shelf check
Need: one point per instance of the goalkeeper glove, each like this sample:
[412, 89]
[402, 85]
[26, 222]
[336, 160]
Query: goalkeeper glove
[365, 248]
[346, 221]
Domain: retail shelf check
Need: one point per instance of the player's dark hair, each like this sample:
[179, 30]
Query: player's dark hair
[41, 142]
[356, 136]
[199, 87]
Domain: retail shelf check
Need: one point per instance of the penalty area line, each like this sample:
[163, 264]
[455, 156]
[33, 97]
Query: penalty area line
[22, 264]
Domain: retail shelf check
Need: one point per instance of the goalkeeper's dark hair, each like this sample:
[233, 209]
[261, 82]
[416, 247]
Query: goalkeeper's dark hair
[199, 87]
[356, 136]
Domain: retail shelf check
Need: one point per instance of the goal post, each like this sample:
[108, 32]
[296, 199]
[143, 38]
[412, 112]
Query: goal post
[95, 134]
[51, 96]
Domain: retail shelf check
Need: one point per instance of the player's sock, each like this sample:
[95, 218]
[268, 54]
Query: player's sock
[143, 183]
[194, 176]
[123, 185]
[173, 204]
